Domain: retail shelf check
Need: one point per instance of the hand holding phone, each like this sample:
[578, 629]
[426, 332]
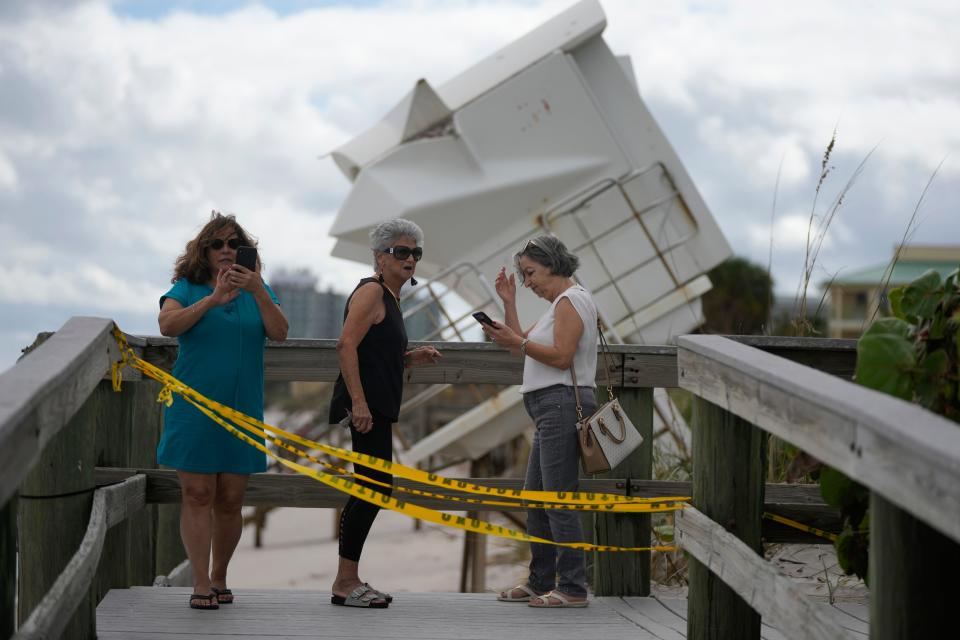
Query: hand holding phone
[480, 316]
[247, 257]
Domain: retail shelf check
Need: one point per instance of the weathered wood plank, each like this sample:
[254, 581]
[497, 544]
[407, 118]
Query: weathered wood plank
[481, 362]
[161, 614]
[729, 465]
[650, 614]
[8, 568]
[834, 356]
[110, 506]
[907, 454]
[681, 607]
[616, 574]
[462, 362]
[40, 394]
[778, 600]
[797, 502]
[913, 575]
[853, 618]
[59, 488]
[139, 613]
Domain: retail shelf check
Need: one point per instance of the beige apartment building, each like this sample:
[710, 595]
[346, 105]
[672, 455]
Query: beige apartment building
[855, 295]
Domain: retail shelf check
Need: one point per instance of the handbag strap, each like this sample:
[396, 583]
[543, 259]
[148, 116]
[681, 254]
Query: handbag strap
[604, 350]
[576, 393]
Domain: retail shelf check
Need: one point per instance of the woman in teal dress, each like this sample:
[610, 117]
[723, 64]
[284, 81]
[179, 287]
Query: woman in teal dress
[220, 313]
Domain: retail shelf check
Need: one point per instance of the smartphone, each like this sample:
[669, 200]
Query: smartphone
[247, 257]
[480, 316]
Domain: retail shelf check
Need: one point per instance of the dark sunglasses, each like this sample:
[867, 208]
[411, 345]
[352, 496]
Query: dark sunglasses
[402, 253]
[217, 243]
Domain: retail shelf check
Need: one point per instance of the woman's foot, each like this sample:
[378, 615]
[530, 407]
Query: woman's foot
[558, 600]
[362, 595]
[520, 593]
[204, 601]
[224, 595]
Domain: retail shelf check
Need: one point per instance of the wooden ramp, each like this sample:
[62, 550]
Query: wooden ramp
[151, 613]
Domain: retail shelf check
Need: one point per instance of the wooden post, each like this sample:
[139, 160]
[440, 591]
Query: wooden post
[913, 573]
[478, 559]
[169, 547]
[8, 567]
[473, 565]
[51, 528]
[127, 431]
[465, 563]
[170, 551]
[112, 450]
[627, 574]
[729, 463]
[145, 417]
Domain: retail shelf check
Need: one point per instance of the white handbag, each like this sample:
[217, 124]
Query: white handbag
[608, 436]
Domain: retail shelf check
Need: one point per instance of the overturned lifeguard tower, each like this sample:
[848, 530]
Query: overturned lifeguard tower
[547, 134]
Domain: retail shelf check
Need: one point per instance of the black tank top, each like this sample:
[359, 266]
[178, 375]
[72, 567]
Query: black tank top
[380, 356]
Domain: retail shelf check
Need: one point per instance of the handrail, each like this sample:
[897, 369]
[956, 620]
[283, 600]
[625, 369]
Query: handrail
[45, 389]
[897, 449]
[111, 505]
[775, 597]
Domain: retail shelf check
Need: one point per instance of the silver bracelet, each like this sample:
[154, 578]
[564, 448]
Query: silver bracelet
[523, 347]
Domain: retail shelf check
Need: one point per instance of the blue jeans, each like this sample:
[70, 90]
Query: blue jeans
[554, 466]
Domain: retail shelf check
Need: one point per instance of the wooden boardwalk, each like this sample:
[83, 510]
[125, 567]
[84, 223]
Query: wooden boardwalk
[151, 613]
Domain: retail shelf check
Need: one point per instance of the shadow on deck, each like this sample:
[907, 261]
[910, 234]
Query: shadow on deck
[148, 613]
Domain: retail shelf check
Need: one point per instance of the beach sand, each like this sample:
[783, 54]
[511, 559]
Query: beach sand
[300, 552]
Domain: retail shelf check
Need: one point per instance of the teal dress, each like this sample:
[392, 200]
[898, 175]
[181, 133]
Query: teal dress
[221, 356]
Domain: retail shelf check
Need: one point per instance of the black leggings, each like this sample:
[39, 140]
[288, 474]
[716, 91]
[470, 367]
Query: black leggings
[358, 515]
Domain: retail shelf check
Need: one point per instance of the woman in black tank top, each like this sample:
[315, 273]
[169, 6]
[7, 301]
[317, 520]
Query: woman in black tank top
[372, 351]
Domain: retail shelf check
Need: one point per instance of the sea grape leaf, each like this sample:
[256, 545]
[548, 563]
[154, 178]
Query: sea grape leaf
[885, 362]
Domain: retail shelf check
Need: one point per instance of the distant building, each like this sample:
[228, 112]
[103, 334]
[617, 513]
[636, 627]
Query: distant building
[311, 313]
[855, 295]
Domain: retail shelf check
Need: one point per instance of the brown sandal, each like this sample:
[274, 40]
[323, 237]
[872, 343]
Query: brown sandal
[211, 598]
[224, 596]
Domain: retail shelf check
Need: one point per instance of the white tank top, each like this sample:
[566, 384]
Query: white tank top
[537, 375]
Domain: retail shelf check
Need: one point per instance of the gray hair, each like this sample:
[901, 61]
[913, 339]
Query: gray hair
[547, 250]
[384, 234]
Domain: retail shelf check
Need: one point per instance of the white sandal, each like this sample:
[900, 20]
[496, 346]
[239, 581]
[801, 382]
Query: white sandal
[507, 596]
[564, 602]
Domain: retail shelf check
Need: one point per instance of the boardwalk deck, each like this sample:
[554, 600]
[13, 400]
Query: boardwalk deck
[148, 613]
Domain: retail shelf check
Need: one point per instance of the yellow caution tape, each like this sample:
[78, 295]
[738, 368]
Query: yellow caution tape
[530, 499]
[799, 525]
[396, 469]
[414, 511]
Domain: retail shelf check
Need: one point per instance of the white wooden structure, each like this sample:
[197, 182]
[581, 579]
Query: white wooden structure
[547, 134]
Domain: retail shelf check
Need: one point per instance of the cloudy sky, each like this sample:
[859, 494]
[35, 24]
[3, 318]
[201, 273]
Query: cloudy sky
[122, 124]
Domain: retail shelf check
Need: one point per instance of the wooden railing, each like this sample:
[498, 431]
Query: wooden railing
[907, 457]
[64, 433]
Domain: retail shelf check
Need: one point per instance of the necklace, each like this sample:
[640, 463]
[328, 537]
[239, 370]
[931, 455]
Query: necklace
[395, 297]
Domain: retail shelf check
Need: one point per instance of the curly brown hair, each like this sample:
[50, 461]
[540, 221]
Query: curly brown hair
[193, 264]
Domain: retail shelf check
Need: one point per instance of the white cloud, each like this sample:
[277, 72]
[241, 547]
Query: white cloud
[120, 134]
[8, 174]
[87, 285]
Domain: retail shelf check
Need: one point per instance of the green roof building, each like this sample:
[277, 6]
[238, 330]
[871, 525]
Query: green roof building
[854, 296]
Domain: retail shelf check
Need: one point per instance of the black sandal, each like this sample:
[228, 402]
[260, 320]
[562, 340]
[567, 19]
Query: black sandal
[224, 596]
[211, 598]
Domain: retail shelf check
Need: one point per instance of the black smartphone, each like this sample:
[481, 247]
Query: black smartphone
[247, 257]
[480, 316]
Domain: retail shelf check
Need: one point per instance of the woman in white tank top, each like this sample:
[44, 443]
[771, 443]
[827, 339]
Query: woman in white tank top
[565, 336]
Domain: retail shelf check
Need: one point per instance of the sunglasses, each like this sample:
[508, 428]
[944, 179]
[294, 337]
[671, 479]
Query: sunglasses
[402, 253]
[217, 243]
